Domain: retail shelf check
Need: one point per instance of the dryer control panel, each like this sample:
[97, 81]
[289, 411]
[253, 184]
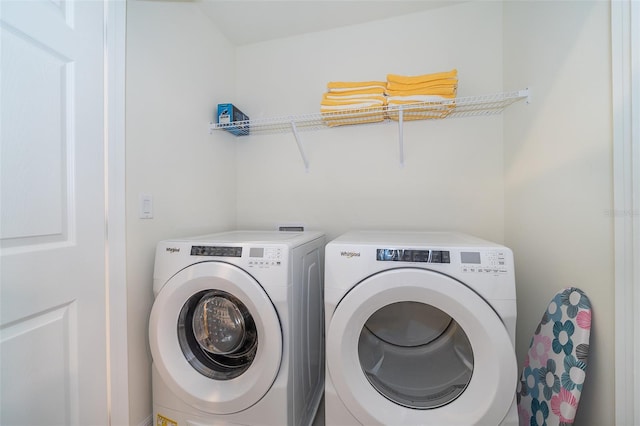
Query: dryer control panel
[482, 262]
[485, 262]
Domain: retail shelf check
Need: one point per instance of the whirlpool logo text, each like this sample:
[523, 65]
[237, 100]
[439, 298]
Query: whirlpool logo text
[350, 254]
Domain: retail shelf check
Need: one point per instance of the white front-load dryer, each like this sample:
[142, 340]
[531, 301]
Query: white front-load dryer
[420, 330]
[236, 329]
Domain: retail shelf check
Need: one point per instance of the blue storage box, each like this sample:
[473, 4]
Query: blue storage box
[227, 114]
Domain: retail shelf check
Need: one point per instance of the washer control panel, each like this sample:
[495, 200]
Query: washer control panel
[485, 262]
[253, 257]
[265, 257]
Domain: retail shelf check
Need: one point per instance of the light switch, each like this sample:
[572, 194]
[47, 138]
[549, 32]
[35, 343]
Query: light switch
[146, 206]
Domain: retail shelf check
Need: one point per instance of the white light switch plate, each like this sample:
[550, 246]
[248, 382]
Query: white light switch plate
[146, 206]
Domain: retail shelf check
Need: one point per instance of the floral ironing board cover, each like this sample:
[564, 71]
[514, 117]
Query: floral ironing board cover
[555, 367]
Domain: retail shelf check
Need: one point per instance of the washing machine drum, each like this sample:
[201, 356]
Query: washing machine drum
[217, 334]
[412, 346]
[215, 337]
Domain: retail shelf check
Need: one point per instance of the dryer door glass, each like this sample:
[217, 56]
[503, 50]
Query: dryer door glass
[217, 334]
[415, 355]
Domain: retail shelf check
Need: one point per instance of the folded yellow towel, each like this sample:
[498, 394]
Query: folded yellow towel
[351, 121]
[446, 82]
[416, 98]
[352, 105]
[362, 116]
[419, 113]
[352, 85]
[427, 96]
[421, 78]
[379, 100]
[347, 107]
[449, 92]
[355, 96]
[363, 91]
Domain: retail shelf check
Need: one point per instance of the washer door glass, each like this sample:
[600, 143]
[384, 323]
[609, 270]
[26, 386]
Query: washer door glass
[415, 355]
[217, 334]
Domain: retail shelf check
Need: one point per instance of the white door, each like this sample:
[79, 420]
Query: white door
[415, 347]
[53, 304]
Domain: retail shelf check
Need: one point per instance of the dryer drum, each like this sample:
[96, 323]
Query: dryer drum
[217, 334]
[415, 355]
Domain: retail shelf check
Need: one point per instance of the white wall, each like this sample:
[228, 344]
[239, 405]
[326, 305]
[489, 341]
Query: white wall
[537, 177]
[558, 171]
[453, 178]
[178, 68]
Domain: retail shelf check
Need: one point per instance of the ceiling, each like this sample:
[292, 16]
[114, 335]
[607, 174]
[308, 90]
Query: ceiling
[246, 22]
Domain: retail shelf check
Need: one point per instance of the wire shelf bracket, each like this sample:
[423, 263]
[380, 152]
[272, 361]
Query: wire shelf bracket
[401, 135]
[296, 135]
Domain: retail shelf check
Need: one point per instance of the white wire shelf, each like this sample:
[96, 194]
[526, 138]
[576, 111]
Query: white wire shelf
[458, 107]
[450, 108]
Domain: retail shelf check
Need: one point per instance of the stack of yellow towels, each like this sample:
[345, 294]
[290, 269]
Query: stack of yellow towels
[353, 102]
[428, 91]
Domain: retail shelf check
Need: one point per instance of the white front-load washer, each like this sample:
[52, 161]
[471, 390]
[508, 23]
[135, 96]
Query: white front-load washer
[236, 329]
[420, 330]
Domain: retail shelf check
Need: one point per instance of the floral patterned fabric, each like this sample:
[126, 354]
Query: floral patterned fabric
[555, 366]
